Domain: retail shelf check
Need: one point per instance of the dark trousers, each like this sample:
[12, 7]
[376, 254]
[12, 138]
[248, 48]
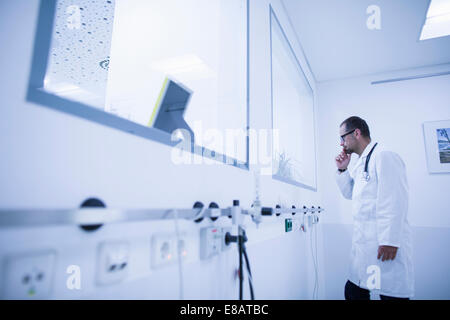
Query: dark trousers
[353, 292]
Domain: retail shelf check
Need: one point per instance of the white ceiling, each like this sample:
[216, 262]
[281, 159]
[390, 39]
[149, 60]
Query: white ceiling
[338, 43]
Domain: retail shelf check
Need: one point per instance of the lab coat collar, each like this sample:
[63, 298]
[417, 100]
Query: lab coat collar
[367, 149]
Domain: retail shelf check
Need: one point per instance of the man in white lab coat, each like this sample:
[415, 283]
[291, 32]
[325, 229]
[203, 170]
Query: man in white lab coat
[381, 254]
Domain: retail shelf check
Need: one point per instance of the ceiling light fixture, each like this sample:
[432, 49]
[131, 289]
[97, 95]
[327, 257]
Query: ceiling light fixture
[437, 23]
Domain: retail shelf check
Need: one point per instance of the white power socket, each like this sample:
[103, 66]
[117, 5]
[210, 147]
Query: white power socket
[112, 262]
[29, 276]
[183, 247]
[164, 249]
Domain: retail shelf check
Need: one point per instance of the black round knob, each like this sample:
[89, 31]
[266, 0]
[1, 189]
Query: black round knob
[213, 205]
[198, 205]
[92, 203]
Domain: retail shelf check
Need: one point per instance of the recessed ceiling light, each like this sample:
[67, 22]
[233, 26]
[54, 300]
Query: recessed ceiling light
[437, 23]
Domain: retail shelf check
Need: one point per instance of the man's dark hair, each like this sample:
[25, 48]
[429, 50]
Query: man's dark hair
[357, 123]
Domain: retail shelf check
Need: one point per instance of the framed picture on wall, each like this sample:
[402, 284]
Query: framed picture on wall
[437, 145]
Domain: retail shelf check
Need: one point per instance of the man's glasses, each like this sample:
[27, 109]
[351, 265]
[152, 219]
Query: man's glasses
[343, 136]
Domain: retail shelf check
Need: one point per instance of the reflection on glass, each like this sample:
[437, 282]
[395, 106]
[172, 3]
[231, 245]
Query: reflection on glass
[293, 114]
[80, 51]
[116, 55]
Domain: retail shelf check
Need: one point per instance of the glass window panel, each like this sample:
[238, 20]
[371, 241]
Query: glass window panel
[292, 114]
[116, 56]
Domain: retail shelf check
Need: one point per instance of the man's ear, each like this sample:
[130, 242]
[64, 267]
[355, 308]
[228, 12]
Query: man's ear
[357, 133]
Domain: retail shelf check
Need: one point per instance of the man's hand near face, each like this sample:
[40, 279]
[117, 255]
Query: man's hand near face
[342, 160]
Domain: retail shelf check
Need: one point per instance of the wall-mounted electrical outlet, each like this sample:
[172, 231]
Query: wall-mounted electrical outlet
[165, 248]
[112, 262]
[28, 275]
[210, 242]
[303, 223]
[182, 247]
[315, 219]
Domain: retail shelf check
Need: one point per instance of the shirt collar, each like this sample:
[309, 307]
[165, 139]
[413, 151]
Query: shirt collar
[367, 149]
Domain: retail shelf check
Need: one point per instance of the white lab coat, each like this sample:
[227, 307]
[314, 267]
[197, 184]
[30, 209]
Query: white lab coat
[380, 208]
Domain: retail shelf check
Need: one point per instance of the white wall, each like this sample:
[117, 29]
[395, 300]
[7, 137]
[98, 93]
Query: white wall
[53, 160]
[395, 113]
